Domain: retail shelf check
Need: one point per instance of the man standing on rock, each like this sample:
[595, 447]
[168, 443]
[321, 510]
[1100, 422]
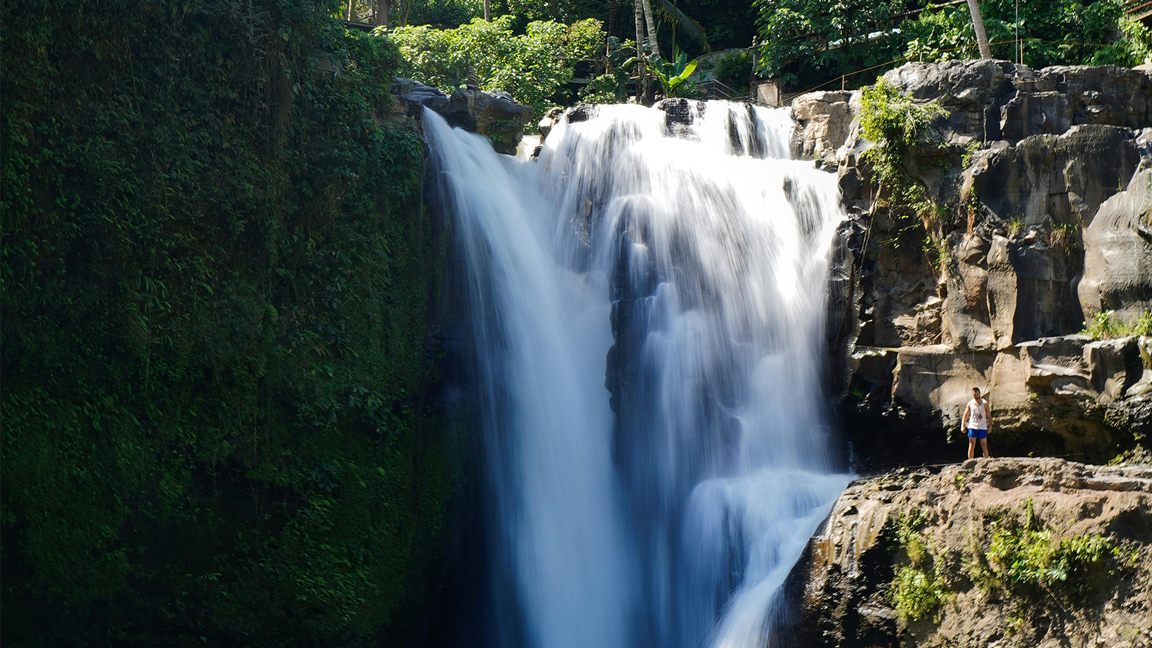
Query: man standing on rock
[977, 420]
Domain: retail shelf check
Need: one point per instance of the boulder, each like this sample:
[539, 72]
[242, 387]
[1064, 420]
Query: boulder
[825, 120]
[1057, 366]
[494, 114]
[939, 379]
[1118, 253]
[1114, 366]
[679, 113]
[548, 121]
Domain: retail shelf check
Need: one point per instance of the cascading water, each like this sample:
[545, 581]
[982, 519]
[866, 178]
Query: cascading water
[690, 270]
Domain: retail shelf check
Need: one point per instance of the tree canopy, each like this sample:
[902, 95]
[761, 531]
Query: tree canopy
[805, 43]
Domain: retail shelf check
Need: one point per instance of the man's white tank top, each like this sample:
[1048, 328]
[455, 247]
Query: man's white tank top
[976, 416]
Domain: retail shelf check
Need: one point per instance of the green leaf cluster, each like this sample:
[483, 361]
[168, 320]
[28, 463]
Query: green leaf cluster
[673, 75]
[1105, 325]
[918, 588]
[895, 124]
[215, 286]
[533, 67]
[612, 85]
[1063, 32]
[1027, 557]
[735, 70]
[805, 42]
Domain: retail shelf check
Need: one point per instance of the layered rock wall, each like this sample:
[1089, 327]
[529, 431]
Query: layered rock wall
[1042, 185]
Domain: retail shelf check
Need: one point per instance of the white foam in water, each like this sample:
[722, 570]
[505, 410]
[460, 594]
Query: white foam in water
[673, 521]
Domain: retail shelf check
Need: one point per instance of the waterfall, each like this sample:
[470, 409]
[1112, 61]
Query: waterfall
[647, 302]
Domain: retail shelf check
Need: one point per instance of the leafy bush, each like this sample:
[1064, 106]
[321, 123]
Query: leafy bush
[673, 75]
[917, 588]
[449, 13]
[735, 70]
[895, 124]
[612, 86]
[915, 593]
[1104, 325]
[805, 42]
[532, 67]
[215, 280]
[1027, 556]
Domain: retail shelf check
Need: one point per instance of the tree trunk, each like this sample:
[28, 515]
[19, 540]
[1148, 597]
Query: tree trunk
[653, 46]
[348, 14]
[978, 24]
[382, 9]
[487, 11]
[641, 59]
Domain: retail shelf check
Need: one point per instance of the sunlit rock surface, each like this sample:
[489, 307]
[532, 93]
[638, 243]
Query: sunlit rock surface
[1061, 231]
[841, 589]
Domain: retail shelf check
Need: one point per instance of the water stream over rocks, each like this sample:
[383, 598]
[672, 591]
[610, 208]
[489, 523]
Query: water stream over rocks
[647, 311]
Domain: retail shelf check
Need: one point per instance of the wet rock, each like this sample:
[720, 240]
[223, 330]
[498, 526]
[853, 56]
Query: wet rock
[549, 121]
[414, 96]
[580, 113]
[679, 113]
[494, 114]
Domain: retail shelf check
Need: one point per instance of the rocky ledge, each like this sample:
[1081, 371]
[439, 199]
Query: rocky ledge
[493, 114]
[987, 553]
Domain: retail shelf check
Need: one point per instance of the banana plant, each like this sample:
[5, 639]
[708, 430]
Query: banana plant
[673, 75]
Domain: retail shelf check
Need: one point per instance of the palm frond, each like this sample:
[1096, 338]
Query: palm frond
[670, 13]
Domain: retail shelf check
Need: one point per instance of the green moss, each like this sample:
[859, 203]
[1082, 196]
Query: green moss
[216, 277]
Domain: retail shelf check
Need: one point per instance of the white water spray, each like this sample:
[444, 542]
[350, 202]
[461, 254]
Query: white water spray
[691, 271]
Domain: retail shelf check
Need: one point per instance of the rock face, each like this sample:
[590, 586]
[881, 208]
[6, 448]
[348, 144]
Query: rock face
[494, 114]
[998, 100]
[1038, 224]
[943, 524]
[1118, 252]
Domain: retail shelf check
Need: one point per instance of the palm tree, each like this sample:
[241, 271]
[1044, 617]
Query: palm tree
[978, 24]
[653, 46]
[641, 60]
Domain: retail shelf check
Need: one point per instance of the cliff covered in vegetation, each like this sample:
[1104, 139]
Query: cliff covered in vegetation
[220, 420]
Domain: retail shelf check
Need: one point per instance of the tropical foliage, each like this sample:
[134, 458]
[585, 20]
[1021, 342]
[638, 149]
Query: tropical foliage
[673, 75]
[533, 67]
[805, 43]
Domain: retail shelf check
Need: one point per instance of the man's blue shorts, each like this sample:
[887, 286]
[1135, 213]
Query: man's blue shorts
[973, 433]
